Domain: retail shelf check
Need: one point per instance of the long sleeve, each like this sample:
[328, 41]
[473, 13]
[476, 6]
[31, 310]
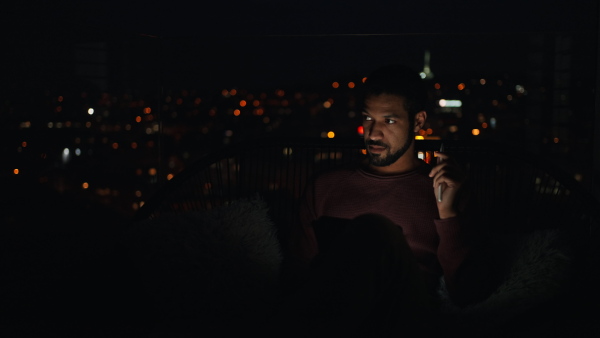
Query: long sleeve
[440, 247]
[453, 250]
[469, 271]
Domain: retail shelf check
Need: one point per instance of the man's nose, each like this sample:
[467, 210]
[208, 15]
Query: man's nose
[375, 131]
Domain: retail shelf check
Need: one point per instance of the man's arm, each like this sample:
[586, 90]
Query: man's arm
[469, 274]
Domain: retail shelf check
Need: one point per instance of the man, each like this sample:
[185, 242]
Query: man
[374, 239]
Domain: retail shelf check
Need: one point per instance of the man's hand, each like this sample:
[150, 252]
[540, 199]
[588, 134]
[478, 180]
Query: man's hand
[450, 177]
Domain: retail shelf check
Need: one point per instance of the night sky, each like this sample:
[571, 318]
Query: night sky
[268, 42]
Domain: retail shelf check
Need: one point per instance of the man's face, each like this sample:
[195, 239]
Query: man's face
[388, 132]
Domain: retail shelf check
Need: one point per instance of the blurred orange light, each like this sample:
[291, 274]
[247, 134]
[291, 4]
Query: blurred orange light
[461, 86]
[16, 171]
[364, 79]
[360, 130]
[243, 103]
[115, 145]
[556, 140]
[147, 110]
[152, 171]
[475, 132]
[335, 84]
[351, 84]
[236, 112]
[484, 125]
[437, 86]
[138, 119]
[85, 185]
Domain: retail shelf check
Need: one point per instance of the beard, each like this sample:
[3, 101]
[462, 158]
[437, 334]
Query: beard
[389, 158]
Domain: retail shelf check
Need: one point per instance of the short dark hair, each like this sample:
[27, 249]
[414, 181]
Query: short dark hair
[397, 80]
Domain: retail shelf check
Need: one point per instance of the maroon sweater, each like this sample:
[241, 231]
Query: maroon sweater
[406, 199]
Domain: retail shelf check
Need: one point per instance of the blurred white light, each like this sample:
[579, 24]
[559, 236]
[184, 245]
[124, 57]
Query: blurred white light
[450, 103]
[520, 89]
[66, 155]
[91, 111]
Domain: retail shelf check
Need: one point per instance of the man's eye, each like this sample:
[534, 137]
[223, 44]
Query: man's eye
[367, 118]
[390, 121]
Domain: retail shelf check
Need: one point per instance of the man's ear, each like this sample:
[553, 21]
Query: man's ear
[420, 119]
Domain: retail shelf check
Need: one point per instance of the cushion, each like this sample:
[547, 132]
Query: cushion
[538, 271]
[217, 263]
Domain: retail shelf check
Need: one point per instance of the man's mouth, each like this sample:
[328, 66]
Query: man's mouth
[376, 147]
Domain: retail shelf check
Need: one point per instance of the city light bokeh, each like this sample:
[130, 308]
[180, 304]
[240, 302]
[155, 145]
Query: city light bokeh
[117, 144]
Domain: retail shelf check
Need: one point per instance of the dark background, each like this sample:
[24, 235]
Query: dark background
[57, 244]
[148, 49]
